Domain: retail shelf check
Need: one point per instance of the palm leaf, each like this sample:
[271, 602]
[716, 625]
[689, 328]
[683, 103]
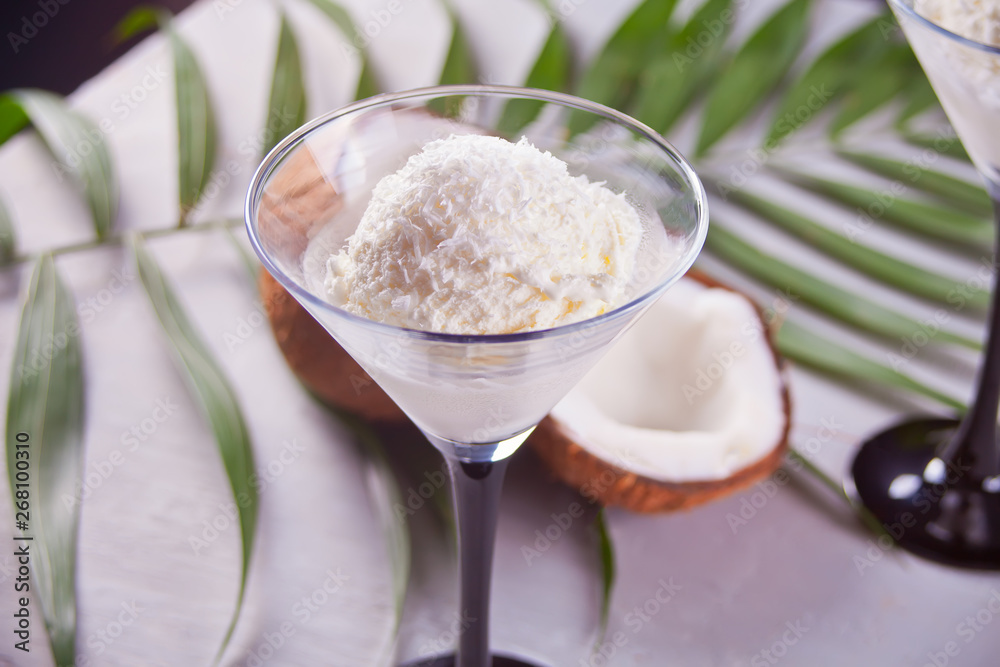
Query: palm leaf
[459, 63]
[809, 349]
[248, 260]
[941, 143]
[890, 270]
[551, 71]
[826, 78]
[195, 124]
[12, 118]
[79, 147]
[612, 76]
[287, 104]
[218, 402]
[368, 83]
[606, 555]
[669, 83]
[875, 85]
[755, 71]
[956, 192]
[195, 119]
[935, 222]
[919, 96]
[45, 411]
[837, 302]
[865, 515]
[8, 241]
[459, 67]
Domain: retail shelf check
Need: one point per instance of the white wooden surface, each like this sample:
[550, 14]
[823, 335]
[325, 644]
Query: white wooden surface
[790, 581]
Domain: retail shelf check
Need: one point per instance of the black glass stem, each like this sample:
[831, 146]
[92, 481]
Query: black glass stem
[934, 484]
[476, 488]
[976, 439]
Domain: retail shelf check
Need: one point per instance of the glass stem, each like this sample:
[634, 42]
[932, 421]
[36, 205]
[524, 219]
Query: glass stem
[976, 441]
[477, 488]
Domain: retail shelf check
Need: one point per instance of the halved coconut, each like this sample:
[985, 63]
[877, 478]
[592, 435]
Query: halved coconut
[689, 405]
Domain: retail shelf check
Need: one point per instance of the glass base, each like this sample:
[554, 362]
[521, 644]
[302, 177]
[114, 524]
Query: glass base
[939, 510]
[449, 661]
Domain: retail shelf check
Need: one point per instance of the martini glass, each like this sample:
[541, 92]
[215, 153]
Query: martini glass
[934, 484]
[475, 397]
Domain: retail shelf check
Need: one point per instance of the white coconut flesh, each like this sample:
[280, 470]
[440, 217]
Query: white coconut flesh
[691, 392]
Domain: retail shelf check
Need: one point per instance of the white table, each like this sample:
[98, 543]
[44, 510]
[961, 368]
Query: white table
[789, 586]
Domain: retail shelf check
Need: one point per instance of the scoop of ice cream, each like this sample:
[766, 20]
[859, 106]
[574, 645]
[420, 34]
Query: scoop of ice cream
[478, 235]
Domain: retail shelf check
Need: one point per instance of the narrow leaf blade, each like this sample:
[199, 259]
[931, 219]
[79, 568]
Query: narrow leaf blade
[670, 81]
[247, 258]
[287, 104]
[606, 553]
[941, 143]
[196, 135]
[459, 64]
[368, 84]
[551, 71]
[902, 275]
[340, 17]
[920, 97]
[12, 118]
[217, 399]
[755, 71]
[79, 147]
[810, 349]
[835, 301]
[46, 404]
[611, 78]
[871, 522]
[459, 67]
[874, 86]
[970, 198]
[825, 79]
[140, 19]
[367, 80]
[8, 240]
[936, 222]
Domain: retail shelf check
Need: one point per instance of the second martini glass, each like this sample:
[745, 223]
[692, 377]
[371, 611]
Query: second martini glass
[935, 483]
[475, 398]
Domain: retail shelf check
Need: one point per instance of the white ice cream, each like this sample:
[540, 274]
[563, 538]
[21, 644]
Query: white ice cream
[477, 235]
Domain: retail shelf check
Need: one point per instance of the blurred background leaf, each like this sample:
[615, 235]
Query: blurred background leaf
[78, 147]
[46, 405]
[754, 71]
[286, 108]
[612, 76]
[218, 402]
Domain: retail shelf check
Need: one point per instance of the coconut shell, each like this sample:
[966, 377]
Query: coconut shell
[609, 484]
[319, 361]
